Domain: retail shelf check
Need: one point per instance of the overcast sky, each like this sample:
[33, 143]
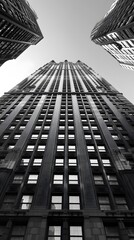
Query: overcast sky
[66, 26]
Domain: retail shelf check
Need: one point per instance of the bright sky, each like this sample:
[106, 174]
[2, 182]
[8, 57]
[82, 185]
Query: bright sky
[66, 26]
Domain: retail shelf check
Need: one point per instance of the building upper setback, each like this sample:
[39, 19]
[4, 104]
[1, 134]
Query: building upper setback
[66, 157]
[18, 28]
[115, 32]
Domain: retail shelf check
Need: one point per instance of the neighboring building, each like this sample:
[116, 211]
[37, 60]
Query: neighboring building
[18, 28]
[66, 157]
[115, 32]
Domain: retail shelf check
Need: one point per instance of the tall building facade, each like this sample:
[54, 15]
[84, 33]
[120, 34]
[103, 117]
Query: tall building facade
[18, 28]
[66, 157]
[115, 32]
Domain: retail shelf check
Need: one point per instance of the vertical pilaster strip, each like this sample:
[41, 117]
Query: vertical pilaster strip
[82, 155]
[46, 174]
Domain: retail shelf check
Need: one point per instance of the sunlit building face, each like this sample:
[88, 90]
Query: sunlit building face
[115, 32]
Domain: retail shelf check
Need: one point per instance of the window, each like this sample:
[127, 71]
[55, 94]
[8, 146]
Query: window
[44, 136]
[17, 136]
[121, 203]
[98, 179]
[61, 127]
[94, 162]
[72, 162]
[121, 148]
[22, 127]
[18, 179]
[56, 202]
[70, 127]
[60, 148]
[26, 202]
[97, 137]
[104, 203]
[18, 232]
[37, 127]
[112, 232]
[74, 202]
[32, 179]
[110, 128]
[94, 127]
[2, 230]
[34, 136]
[73, 179]
[37, 162]
[76, 233]
[61, 136]
[130, 231]
[88, 136]
[90, 148]
[112, 180]
[41, 148]
[30, 148]
[8, 202]
[59, 162]
[11, 146]
[24, 161]
[106, 162]
[12, 127]
[115, 137]
[85, 127]
[5, 136]
[54, 233]
[71, 136]
[71, 148]
[58, 179]
[101, 149]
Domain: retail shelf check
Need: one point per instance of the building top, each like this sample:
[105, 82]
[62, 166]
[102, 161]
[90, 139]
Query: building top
[20, 11]
[18, 28]
[119, 15]
[97, 84]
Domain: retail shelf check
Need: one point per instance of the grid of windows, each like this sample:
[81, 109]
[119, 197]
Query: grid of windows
[65, 165]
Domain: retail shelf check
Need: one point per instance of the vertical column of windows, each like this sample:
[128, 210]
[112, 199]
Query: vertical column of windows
[57, 193]
[74, 183]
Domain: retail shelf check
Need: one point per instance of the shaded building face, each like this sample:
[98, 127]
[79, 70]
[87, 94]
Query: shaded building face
[18, 28]
[115, 32]
[66, 157]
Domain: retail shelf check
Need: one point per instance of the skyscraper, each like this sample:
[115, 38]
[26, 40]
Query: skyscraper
[66, 157]
[115, 32]
[18, 28]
